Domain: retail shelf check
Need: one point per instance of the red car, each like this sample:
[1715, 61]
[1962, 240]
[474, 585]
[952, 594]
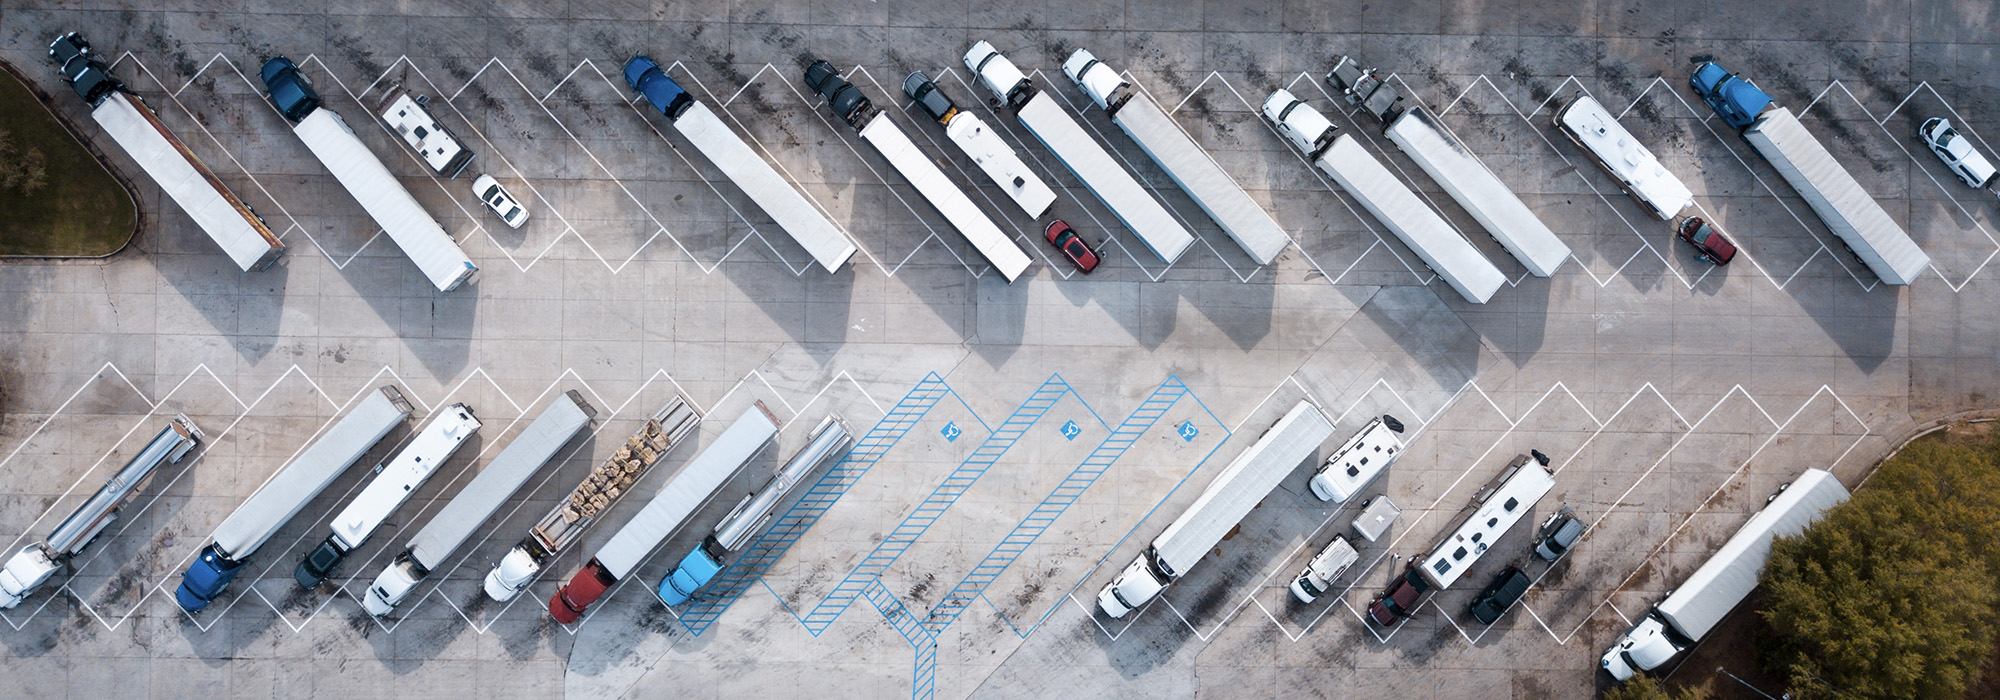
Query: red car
[1065, 239]
[585, 588]
[1400, 600]
[1707, 240]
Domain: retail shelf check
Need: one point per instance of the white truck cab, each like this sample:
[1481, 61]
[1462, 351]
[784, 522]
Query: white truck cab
[1646, 646]
[389, 588]
[1324, 569]
[1307, 129]
[1133, 587]
[515, 572]
[998, 74]
[1099, 81]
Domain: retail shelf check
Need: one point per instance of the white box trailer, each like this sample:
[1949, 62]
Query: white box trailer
[1446, 253]
[452, 525]
[188, 181]
[36, 563]
[394, 481]
[1722, 582]
[1494, 513]
[286, 493]
[1185, 161]
[1082, 155]
[1504, 216]
[669, 509]
[947, 198]
[1247, 480]
[1638, 172]
[1853, 216]
[601, 489]
[830, 247]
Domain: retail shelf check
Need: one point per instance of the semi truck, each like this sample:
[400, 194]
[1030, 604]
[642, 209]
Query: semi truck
[669, 509]
[286, 493]
[1689, 612]
[365, 178]
[1358, 172]
[1359, 460]
[38, 562]
[451, 526]
[853, 107]
[1457, 169]
[1854, 217]
[1246, 481]
[601, 489]
[1185, 161]
[1052, 124]
[441, 150]
[1620, 155]
[394, 481]
[986, 149]
[786, 206]
[1495, 510]
[752, 514]
[181, 175]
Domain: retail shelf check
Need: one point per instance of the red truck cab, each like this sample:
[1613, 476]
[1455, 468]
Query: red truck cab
[569, 602]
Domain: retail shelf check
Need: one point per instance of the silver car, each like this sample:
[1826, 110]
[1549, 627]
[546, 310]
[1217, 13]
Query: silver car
[1965, 161]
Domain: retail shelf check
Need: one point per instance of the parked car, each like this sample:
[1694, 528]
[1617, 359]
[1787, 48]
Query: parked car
[1707, 240]
[1558, 534]
[1965, 161]
[1505, 590]
[1399, 600]
[497, 199]
[1072, 246]
[929, 98]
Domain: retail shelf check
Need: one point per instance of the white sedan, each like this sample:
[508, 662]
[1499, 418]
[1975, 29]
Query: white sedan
[497, 199]
[1965, 161]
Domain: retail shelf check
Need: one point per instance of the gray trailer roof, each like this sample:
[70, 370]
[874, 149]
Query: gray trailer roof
[783, 203]
[1448, 254]
[187, 181]
[938, 189]
[385, 199]
[1247, 480]
[1847, 209]
[1431, 144]
[1728, 576]
[1121, 193]
[523, 457]
[291, 487]
[695, 483]
[1204, 181]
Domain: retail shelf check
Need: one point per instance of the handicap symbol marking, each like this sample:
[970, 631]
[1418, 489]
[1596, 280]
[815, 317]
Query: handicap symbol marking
[1187, 431]
[1070, 431]
[951, 432]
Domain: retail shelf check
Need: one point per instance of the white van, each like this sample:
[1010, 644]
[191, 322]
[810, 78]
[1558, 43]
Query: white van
[1324, 569]
[1359, 461]
[1376, 515]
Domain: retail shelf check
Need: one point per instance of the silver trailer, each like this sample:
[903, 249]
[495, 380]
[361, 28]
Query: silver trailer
[947, 198]
[1185, 161]
[35, 564]
[451, 526]
[1083, 156]
[1504, 216]
[1853, 216]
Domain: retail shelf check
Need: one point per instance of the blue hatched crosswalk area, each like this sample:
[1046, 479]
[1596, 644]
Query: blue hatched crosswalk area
[923, 684]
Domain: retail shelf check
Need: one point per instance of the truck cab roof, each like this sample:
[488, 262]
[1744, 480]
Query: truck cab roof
[290, 91]
[1734, 99]
[643, 75]
[999, 74]
[846, 100]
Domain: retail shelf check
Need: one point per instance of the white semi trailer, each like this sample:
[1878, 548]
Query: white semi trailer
[668, 510]
[394, 481]
[1691, 611]
[36, 563]
[555, 427]
[181, 175]
[286, 493]
[598, 492]
[363, 175]
[854, 108]
[1849, 211]
[1358, 172]
[1052, 124]
[1638, 172]
[1185, 161]
[1247, 480]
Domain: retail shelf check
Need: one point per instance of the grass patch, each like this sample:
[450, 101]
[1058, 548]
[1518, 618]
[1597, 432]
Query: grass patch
[79, 210]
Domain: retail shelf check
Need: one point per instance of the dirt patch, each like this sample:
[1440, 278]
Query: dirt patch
[1731, 649]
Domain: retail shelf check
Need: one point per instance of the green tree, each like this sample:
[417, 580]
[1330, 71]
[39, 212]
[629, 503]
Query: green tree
[1644, 687]
[1894, 594]
[22, 170]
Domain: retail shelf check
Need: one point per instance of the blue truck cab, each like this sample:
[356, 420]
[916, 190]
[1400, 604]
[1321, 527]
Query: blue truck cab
[643, 74]
[694, 571]
[205, 579]
[1734, 99]
[290, 91]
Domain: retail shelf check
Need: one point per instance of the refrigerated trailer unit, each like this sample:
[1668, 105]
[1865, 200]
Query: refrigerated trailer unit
[180, 174]
[1185, 161]
[1638, 172]
[1504, 216]
[1853, 216]
[36, 563]
[1052, 124]
[286, 493]
[1246, 481]
[1494, 512]
[598, 492]
[394, 481]
[895, 146]
[669, 509]
[363, 175]
[752, 514]
[451, 526]
[786, 206]
[1722, 582]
